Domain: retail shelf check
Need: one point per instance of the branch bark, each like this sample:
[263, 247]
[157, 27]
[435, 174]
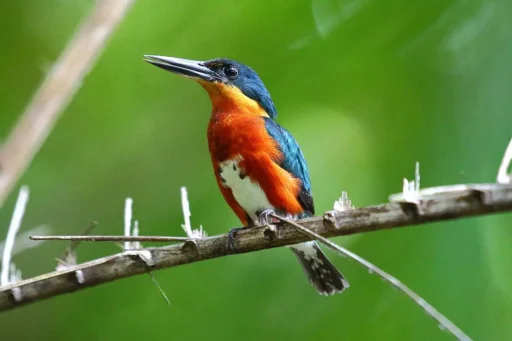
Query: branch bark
[57, 90]
[434, 204]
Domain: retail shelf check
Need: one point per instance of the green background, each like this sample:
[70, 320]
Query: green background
[367, 87]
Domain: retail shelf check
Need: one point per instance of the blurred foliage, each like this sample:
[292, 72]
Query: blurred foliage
[367, 87]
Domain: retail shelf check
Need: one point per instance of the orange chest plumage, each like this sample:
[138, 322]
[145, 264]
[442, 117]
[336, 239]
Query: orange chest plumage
[236, 125]
[239, 142]
[235, 133]
[245, 158]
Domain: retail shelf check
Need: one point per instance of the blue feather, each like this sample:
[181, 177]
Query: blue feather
[293, 162]
[251, 86]
[248, 82]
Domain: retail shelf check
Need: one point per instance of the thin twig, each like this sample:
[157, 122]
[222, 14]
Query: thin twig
[75, 242]
[14, 226]
[429, 309]
[506, 163]
[57, 90]
[113, 238]
[185, 207]
[128, 204]
[70, 256]
[132, 244]
[187, 226]
[162, 292]
[437, 204]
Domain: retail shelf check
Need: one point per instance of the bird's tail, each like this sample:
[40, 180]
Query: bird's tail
[321, 273]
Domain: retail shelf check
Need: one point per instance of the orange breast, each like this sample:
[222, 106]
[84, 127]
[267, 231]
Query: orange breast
[237, 128]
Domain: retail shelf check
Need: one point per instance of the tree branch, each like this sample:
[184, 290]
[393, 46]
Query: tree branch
[57, 90]
[431, 204]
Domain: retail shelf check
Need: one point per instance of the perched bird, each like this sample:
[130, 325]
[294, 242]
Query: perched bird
[258, 165]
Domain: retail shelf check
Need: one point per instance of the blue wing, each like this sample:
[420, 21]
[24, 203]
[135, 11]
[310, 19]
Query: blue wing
[293, 162]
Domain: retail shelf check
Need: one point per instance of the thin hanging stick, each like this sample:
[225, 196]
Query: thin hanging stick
[430, 310]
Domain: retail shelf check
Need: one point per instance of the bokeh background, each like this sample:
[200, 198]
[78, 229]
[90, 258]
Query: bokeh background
[367, 87]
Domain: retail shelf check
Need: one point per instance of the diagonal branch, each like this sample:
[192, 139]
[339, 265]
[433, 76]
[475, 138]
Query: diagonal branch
[427, 307]
[57, 90]
[435, 204]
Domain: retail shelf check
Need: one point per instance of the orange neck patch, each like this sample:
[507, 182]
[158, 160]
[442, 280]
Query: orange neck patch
[229, 98]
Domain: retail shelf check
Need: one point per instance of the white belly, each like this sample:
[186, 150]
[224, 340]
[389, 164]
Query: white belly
[249, 195]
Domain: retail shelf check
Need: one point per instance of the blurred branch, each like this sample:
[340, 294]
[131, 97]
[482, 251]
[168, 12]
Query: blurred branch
[57, 90]
[430, 204]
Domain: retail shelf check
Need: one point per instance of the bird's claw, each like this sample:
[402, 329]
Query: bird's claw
[265, 217]
[231, 239]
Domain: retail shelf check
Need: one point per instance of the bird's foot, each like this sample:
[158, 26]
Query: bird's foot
[265, 217]
[231, 239]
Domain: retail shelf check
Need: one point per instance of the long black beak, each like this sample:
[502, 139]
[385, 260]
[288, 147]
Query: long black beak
[188, 68]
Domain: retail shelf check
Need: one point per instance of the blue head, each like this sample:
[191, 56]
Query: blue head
[222, 71]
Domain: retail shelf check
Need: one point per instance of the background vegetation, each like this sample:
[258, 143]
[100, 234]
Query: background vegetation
[367, 87]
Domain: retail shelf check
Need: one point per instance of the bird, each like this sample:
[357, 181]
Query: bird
[259, 166]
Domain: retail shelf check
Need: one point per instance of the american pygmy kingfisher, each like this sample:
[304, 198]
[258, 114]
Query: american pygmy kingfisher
[258, 165]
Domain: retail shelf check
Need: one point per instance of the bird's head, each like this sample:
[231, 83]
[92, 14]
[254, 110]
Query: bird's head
[226, 81]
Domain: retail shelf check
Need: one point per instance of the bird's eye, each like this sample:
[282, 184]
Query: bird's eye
[230, 71]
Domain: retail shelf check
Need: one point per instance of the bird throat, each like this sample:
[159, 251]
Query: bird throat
[229, 98]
